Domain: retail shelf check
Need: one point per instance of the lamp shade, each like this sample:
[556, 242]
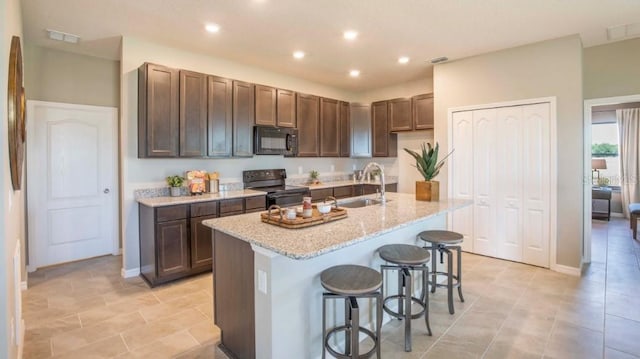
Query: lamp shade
[598, 164]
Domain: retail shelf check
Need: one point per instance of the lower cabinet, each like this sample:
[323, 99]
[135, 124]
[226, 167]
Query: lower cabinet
[355, 190]
[173, 248]
[201, 245]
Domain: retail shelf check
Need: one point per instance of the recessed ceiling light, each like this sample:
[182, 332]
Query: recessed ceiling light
[298, 54]
[354, 73]
[403, 60]
[438, 60]
[213, 28]
[350, 35]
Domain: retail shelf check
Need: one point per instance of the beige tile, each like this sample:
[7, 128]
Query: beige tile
[106, 348]
[77, 304]
[207, 310]
[570, 341]
[205, 332]
[45, 331]
[124, 293]
[209, 351]
[36, 349]
[96, 315]
[622, 334]
[625, 306]
[166, 347]
[173, 306]
[586, 314]
[147, 333]
[615, 354]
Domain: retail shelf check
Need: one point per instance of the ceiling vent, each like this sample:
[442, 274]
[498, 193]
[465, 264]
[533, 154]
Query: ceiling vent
[623, 31]
[63, 36]
[438, 60]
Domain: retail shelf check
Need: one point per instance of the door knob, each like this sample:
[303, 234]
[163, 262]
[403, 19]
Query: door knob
[106, 190]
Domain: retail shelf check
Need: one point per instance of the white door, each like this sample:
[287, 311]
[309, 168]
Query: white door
[537, 184]
[484, 174]
[461, 175]
[508, 183]
[72, 182]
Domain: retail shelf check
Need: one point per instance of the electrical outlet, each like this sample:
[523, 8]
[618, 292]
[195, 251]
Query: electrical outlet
[262, 281]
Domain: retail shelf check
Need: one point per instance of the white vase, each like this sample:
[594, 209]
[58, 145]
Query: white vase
[175, 191]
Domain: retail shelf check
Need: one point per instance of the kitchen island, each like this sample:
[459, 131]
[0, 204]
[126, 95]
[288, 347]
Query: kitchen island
[268, 297]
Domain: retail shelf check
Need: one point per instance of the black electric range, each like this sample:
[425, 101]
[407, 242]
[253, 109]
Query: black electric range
[272, 181]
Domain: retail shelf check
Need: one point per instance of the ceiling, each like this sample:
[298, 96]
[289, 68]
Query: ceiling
[264, 33]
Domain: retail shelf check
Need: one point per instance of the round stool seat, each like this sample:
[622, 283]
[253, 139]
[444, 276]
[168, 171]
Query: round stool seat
[404, 254]
[351, 280]
[441, 237]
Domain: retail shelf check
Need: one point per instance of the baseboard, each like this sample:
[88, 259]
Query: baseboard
[567, 270]
[130, 273]
[23, 285]
[617, 215]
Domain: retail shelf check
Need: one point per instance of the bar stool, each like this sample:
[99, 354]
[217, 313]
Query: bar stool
[406, 259]
[444, 242]
[350, 282]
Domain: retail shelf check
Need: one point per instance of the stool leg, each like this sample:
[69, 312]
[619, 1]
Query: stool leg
[407, 308]
[425, 298]
[458, 250]
[400, 287]
[324, 324]
[434, 269]
[379, 300]
[450, 280]
[355, 328]
[347, 321]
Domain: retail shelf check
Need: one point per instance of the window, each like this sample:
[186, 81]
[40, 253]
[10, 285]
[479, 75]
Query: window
[604, 145]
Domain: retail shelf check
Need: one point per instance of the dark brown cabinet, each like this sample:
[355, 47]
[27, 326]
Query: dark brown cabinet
[286, 108]
[345, 129]
[400, 118]
[308, 117]
[422, 107]
[219, 116]
[158, 117]
[360, 118]
[369, 188]
[243, 119]
[343, 192]
[201, 244]
[173, 248]
[329, 128]
[265, 105]
[384, 142]
[318, 195]
[193, 114]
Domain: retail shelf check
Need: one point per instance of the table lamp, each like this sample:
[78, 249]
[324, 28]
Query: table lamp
[597, 164]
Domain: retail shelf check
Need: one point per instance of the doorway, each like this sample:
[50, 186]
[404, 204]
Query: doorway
[72, 182]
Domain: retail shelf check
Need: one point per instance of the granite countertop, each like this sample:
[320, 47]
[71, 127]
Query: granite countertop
[362, 224]
[332, 184]
[169, 201]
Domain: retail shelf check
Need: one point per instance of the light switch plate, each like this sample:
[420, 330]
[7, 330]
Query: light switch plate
[262, 281]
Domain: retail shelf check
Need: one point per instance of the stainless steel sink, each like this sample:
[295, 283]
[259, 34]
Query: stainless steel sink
[362, 202]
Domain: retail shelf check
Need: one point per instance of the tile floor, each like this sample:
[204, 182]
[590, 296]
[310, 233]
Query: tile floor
[86, 310]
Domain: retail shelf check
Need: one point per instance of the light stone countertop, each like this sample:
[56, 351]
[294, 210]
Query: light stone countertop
[362, 224]
[332, 184]
[169, 201]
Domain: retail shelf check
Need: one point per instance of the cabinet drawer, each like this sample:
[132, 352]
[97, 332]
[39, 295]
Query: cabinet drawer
[231, 205]
[318, 195]
[171, 213]
[232, 213]
[343, 192]
[259, 202]
[204, 209]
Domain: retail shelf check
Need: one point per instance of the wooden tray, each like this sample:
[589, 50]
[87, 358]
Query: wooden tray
[276, 217]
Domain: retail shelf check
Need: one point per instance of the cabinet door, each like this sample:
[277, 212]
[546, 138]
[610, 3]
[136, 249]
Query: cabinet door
[265, 105]
[422, 108]
[400, 115]
[308, 117]
[380, 121]
[343, 192]
[243, 119]
[461, 175]
[219, 116]
[201, 243]
[193, 114]
[345, 130]
[286, 108]
[319, 195]
[158, 111]
[172, 245]
[329, 128]
[484, 170]
[360, 117]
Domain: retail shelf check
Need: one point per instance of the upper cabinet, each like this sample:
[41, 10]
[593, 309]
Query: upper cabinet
[243, 119]
[385, 143]
[345, 129]
[422, 107]
[400, 115]
[329, 128]
[219, 116]
[265, 105]
[158, 117]
[286, 108]
[360, 118]
[308, 117]
[193, 114]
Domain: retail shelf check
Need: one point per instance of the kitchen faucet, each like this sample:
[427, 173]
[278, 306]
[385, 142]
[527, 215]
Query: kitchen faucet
[367, 169]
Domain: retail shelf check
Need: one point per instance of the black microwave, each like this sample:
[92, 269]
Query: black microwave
[269, 140]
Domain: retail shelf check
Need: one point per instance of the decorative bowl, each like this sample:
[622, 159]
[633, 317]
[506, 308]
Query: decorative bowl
[324, 208]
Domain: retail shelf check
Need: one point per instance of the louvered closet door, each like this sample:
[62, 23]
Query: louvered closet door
[484, 175]
[508, 183]
[537, 184]
[462, 175]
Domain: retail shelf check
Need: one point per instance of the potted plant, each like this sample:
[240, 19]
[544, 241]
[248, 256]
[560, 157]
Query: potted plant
[314, 175]
[429, 167]
[175, 182]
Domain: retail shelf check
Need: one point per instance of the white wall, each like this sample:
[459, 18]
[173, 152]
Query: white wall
[141, 173]
[612, 69]
[549, 68]
[12, 208]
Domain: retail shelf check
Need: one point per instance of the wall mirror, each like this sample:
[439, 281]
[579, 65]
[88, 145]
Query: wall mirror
[16, 114]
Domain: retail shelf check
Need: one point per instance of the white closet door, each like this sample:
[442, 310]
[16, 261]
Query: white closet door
[508, 183]
[537, 184]
[462, 175]
[484, 175]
